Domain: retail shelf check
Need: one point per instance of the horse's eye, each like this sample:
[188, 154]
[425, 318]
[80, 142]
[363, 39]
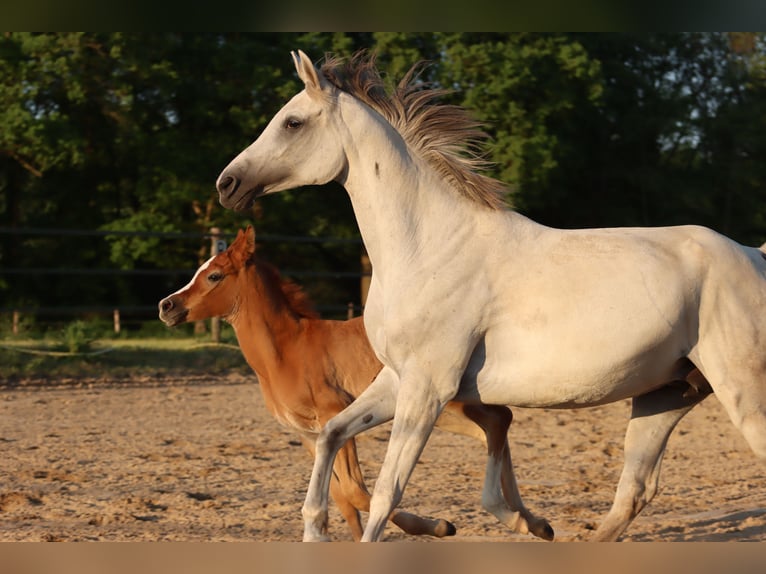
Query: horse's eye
[293, 123]
[215, 277]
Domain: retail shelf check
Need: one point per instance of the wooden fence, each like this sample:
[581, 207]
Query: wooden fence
[218, 243]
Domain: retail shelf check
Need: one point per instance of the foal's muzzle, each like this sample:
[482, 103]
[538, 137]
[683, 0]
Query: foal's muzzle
[172, 313]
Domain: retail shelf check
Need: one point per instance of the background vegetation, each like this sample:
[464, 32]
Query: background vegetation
[128, 132]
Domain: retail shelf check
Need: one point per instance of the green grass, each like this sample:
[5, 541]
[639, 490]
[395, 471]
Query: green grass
[117, 358]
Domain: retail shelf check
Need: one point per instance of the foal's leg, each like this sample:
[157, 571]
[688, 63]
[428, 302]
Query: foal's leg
[373, 407]
[352, 495]
[500, 496]
[347, 508]
[347, 486]
[653, 418]
[343, 488]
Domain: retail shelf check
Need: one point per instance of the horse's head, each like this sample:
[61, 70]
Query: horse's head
[300, 146]
[213, 290]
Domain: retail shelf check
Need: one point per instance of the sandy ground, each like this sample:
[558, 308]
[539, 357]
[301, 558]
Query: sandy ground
[196, 459]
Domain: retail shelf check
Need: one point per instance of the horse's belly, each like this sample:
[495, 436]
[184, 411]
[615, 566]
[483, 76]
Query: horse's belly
[560, 377]
[557, 390]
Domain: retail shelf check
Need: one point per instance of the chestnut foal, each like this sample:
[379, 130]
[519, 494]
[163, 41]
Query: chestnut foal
[310, 369]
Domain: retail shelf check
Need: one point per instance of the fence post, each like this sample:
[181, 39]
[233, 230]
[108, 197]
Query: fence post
[217, 245]
[15, 322]
[116, 317]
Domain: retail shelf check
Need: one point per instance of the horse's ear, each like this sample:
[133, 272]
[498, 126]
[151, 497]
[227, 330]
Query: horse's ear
[308, 73]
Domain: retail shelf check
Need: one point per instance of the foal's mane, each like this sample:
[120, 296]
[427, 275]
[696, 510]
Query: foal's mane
[293, 296]
[444, 135]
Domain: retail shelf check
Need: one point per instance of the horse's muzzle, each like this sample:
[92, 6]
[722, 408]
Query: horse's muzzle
[227, 186]
[240, 200]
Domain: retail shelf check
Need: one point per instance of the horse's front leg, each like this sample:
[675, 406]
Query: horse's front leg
[653, 418]
[418, 404]
[346, 484]
[373, 407]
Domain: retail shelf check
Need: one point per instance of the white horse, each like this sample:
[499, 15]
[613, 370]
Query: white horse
[472, 301]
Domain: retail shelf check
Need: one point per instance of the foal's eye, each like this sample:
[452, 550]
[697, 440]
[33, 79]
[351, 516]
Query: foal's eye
[293, 123]
[215, 277]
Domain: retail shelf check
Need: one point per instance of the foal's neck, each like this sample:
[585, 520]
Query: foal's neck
[265, 325]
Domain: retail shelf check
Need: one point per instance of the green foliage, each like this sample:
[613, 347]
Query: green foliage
[525, 87]
[128, 132]
[126, 250]
[26, 326]
[77, 337]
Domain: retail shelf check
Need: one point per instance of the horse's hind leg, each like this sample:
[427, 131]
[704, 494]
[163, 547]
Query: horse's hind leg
[500, 495]
[743, 396]
[653, 418]
[537, 525]
[730, 350]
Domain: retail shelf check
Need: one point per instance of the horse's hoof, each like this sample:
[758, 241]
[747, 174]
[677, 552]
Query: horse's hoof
[316, 538]
[445, 528]
[545, 531]
[314, 535]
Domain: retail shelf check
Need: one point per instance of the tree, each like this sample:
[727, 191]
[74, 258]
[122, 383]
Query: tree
[128, 131]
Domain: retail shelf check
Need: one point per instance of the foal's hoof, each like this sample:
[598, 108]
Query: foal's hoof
[444, 528]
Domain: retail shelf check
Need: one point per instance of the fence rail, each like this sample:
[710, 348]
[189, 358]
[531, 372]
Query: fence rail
[262, 237]
[119, 312]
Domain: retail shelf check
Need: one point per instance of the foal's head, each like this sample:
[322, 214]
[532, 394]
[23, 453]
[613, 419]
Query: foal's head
[214, 289]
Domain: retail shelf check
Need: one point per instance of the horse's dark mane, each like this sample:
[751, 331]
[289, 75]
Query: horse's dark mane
[294, 297]
[445, 135]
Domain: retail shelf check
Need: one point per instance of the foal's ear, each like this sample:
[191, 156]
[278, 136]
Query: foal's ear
[243, 247]
[307, 72]
[249, 240]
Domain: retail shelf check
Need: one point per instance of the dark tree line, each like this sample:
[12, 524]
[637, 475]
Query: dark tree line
[128, 131]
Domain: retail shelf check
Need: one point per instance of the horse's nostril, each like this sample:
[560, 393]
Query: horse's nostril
[166, 305]
[227, 185]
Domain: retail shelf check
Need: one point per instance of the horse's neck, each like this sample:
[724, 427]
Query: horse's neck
[402, 206]
[264, 328]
